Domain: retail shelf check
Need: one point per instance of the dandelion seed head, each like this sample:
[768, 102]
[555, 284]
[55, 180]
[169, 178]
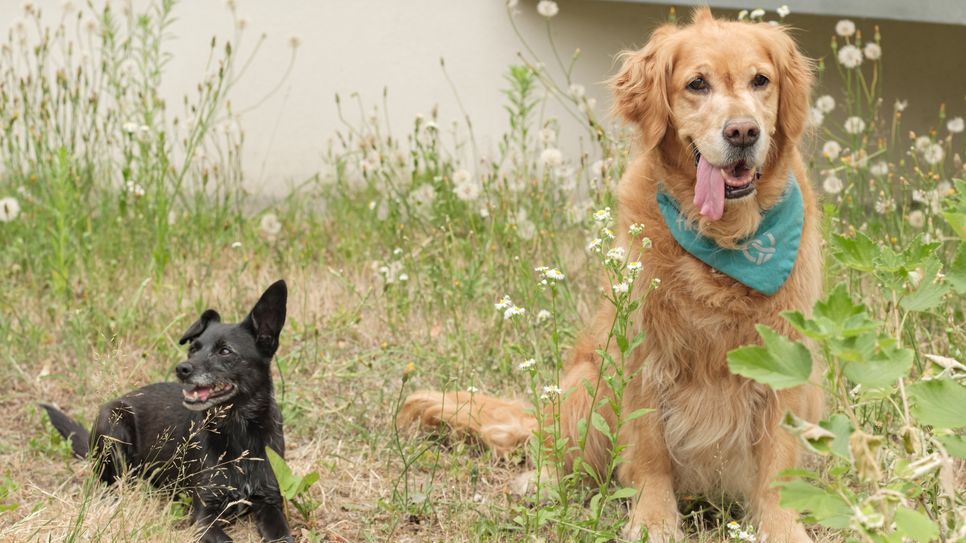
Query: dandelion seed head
[551, 157]
[547, 8]
[832, 184]
[831, 149]
[270, 225]
[825, 103]
[9, 208]
[955, 125]
[854, 125]
[543, 315]
[917, 219]
[815, 117]
[872, 51]
[783, 11]
[934, 154]
[845, 28]
[850, 56]
[879, 169]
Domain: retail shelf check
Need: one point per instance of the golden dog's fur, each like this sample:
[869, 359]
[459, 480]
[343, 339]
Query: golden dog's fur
[711, 432]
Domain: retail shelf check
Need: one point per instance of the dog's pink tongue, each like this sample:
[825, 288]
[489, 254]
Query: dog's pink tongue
[203, 393]
[709, 190]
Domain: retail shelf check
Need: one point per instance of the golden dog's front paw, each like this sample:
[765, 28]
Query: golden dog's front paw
[664, 532]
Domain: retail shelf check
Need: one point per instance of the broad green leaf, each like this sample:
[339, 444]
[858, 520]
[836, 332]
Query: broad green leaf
[958, 222]
[955, 445]
[928, 296]
[287, 482]
[858, 252]
[881, 370]
[839, 425]
[939, 402]
[916, 525]
[600, 424]
[956, 271]
[781, 363]
[622, 493]
[828, 509]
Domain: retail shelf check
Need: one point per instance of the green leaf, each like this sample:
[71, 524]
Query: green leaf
[857, 253]
[916, 525]
[958, 222]
[597, 420]
[955, 445]
[928, 296]
[287, 481]
[839, 425]
[956, 271]
[781, 363]
[828, 509]
[940, 403]
[623, 493]
[881, 370]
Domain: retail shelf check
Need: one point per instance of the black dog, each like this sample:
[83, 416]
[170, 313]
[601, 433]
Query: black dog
[207, 433]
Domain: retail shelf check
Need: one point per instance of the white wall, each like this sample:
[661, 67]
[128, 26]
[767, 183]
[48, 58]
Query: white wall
[365, 45]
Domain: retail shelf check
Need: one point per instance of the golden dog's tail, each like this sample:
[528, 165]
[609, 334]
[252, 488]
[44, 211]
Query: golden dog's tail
[503, 425]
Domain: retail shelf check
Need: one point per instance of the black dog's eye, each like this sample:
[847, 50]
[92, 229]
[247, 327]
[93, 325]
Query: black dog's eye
[224, 351]
[193, 348]
[759, 82]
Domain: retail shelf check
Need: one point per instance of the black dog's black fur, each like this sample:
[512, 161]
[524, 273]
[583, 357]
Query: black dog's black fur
[206, 434]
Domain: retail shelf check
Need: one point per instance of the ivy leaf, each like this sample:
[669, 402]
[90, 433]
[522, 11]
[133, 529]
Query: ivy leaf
[780, 363]
[941, 403]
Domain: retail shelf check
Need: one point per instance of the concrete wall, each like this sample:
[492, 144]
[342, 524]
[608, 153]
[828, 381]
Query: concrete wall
[366, 45]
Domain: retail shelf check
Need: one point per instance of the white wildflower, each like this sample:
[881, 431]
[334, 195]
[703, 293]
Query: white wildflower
[636, 229]
[134, 189]
[608, 233]
[550, 391]
[9, 209]
[879, 169]
[934, 154]
[900, 105]
[656, 282]
[543, 315]
[634, 268]
[783, 11]
[872, 50]
[270, 225]
[832, 184]
[422, 198]
[616, 254]
[527, 364]
[577, 90]
[646, 242]
[944, 188]
[511, 312]
[602, 215]
[504, 303]
[595, 245]
[825, 103]
[547, 8]
[850, 56]
[472, 389]
[551, 157]
[854, 125]
[815, 117]
[917, 219]
[621, 288]
[845, 28]
[756, 14]
[884, 205]
[742, 15]
[831, 149]
[236, 245]
[129, 127]
[922, 143]
[955, 125]
[403, 277]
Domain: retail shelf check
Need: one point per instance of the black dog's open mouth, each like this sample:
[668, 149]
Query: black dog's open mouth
[198, 397]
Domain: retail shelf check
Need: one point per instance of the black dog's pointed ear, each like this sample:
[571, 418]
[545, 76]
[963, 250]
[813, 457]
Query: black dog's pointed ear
[268, 317]
[196, 329]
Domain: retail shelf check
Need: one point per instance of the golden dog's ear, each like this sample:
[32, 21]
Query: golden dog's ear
[641, 87]
[795, 85]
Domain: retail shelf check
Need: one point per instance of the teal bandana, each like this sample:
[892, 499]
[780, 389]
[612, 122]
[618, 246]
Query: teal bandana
[762, 262]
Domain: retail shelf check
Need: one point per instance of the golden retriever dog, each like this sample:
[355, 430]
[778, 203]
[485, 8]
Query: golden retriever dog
[720, 107]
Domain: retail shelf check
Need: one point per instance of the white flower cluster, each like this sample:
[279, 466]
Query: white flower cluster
[527, 364]
[550, 392]
[465, 186]
[932, 152]
[735, 532]
[508, 308]
[134, 189]
[549, 276]
[391, 272]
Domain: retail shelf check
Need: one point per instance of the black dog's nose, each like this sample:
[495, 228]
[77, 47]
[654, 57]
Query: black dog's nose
[184, 370]
[741, 132]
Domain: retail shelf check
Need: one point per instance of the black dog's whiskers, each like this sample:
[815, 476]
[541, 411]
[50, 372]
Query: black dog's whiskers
[206, 434]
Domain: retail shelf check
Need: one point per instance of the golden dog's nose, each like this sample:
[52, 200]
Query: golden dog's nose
[741, 132]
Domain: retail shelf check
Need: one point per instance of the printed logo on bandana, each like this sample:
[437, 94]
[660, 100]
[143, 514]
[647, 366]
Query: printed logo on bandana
[757, 252]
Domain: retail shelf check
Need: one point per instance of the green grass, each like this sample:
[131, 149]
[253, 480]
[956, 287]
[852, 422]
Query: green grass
[395, 261]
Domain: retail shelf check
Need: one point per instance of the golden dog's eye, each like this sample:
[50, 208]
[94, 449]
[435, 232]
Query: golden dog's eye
[698, 84]
[759, 81]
